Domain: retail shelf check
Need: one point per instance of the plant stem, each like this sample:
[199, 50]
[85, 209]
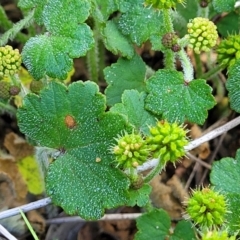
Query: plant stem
[6, 234]
[203, 12]
[108, 217]
[25, 208]
[169, 58]
[8, 108]
[186, 65]
[16, 28]
[212, 72]
[92, 60]
[28, 225]
[156, 170]
[199, 71]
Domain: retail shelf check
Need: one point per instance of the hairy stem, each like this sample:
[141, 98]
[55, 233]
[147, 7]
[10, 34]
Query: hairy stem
[169, 58]
[16, 28]
[156, 170]
[186, 65]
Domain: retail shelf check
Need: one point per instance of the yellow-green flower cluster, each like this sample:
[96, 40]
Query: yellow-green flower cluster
[229, 50]
[162, 4]
[167, 141]
[216, 235]
[10, 61]
[206, 207]
[202, 34]
[131, 151]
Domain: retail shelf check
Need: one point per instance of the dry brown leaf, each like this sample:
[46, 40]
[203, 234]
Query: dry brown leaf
[37, 221]
[17, 146]
[7, 191]
[169, 197]
[11, 169]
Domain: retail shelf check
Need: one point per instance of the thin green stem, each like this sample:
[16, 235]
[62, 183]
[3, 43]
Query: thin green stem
[7, 108]
[212, 72]
[92, 60]
[28, 225]
[199, 71]
[156, 170]
[203, 12]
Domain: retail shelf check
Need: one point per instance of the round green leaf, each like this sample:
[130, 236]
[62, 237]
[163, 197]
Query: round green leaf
[82, 179]
[153, 225]
[176, 100]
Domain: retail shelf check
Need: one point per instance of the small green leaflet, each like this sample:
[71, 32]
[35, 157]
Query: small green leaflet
[116, 42]
[155, 225]
[132, 108]
[107, 7]
[225, 177]
[38, 5]
[178, 101]
[223, 5]
[125, 74]
[67, 38]
[225, 174]
[139, 197]
[141, 23]
[82, 179]
[233, 86]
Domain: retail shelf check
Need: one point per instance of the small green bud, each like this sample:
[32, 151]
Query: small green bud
[36, 86]
[212, 207]
[202, 34]
[131, 151]
[10, 61]
[167, 141]
[229, 50]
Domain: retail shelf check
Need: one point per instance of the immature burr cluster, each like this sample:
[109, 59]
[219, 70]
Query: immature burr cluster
[130, 151]
[10, 61]
[167, 141]
[206, 207]
[229, 50]
[202, 34]
[163, 4]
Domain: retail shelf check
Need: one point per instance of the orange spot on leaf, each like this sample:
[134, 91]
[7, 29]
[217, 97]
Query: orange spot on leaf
[70, 121]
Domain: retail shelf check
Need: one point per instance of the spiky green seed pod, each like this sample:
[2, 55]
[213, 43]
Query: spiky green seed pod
[169, 40]
[216, 235]
[131, 151]
[4, 90]
[229, 50]
[10, 61]
[206, 207]
[163, 4]
[36, 86]
[167, 141]
[202, 34]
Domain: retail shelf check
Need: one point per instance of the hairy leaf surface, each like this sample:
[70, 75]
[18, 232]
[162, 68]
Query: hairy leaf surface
[176, 100]
[82, 179]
